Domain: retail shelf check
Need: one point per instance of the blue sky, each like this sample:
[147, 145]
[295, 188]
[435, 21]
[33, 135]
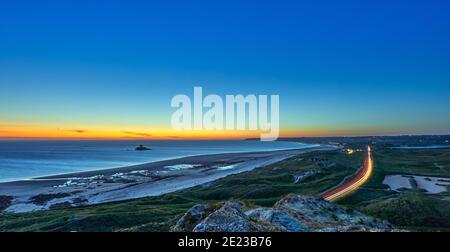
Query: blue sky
[340, 67]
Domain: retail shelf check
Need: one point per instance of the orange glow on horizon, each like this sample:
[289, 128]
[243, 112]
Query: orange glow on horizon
[49, 131]
[98, 132]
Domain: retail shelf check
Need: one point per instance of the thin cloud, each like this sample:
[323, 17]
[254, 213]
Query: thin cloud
[142, 134]
[173, 137]
[76, 130]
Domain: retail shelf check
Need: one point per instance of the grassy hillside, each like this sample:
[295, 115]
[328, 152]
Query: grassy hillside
[414, 210]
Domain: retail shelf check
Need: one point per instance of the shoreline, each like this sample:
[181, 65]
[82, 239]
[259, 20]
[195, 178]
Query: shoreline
[141, 162]
[159, 162]
[136, 181]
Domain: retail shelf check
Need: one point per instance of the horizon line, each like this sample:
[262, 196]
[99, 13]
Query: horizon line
[211, 138]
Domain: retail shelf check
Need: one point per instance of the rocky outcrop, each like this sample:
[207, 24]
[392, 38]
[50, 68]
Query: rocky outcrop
[222, 217]
[141, 148]
[321, 215]
[231, 218]
[193, 217]
[280, 219]
[294, 213]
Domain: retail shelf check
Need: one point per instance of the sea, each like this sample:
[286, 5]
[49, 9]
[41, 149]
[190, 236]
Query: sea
[25, 159]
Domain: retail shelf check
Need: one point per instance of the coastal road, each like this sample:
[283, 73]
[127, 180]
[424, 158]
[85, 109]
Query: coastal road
[354, 183]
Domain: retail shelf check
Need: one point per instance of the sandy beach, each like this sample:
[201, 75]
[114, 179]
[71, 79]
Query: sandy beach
[150, 179]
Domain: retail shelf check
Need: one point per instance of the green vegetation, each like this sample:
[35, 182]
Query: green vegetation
[413, 210]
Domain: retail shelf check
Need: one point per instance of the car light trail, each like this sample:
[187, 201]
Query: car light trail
[354, 183]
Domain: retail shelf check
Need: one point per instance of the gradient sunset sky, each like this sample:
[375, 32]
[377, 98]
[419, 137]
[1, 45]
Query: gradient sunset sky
[108, 69]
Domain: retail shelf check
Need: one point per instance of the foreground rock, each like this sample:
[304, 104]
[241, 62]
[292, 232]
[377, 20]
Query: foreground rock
[294, 213]
[226, 217]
